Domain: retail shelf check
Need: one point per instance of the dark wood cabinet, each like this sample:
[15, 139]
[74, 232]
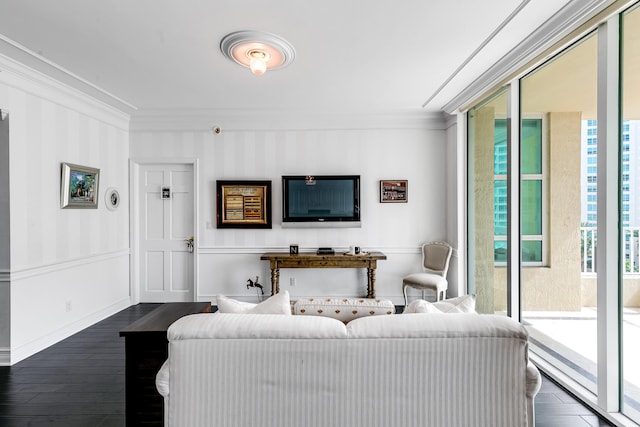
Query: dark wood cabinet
[146, 349]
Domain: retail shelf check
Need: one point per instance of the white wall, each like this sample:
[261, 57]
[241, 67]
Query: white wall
[405, 149]
[68, 268]
[456, 203]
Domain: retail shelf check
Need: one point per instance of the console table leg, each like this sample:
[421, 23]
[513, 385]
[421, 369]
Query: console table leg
[275, 281]
[371, 283]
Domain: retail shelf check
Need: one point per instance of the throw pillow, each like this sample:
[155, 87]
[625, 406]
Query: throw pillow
[461, 304]
[419, 306]
[277, 304]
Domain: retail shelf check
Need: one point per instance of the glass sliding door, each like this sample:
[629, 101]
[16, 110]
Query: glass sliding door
[487, 226]
[630, 215]
[568, 287]
[558, 199]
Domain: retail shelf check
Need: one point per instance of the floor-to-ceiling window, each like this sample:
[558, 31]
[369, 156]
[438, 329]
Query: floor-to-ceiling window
[630, 210]
[569, 279]
[557, 307]
[487, 135]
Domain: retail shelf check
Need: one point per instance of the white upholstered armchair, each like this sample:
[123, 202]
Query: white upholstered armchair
[435, 264]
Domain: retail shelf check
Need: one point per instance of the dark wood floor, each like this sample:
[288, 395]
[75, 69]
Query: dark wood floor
[80, 382]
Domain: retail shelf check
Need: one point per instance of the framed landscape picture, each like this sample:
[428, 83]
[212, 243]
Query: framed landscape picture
[79, 187]
[243, 204]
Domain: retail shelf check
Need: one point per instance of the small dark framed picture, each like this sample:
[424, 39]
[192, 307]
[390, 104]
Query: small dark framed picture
[394, 191]
[294, 249]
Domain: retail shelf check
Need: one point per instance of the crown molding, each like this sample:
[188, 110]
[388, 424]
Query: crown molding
[189, 120]
[24, 78]
[34, 66]
[559, 25]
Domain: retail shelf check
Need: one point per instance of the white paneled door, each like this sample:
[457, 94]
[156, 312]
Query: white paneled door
[166, 215]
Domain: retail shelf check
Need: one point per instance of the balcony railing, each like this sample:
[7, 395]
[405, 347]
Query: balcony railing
[631, 244]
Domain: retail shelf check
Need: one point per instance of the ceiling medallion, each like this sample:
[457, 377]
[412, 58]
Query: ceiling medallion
[257, 51]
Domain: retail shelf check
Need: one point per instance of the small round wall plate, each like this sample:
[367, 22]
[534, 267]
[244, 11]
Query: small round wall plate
[112, 199]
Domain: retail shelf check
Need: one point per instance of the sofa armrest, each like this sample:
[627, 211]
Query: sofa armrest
[162, 380]
[533, 383]
[534, 380]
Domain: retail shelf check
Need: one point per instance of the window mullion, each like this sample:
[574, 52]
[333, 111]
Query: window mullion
[514, 258]
[608, 247]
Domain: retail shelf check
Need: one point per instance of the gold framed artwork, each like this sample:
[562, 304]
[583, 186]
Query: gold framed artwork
[243, 204]
[394, 191]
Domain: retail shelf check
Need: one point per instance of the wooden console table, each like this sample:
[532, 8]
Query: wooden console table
[146, 349]
[280, 260]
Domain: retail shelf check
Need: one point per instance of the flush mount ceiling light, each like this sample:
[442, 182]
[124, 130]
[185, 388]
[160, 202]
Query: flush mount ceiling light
[257, 51]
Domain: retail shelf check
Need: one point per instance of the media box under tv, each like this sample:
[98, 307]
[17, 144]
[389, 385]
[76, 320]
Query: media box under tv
[325, 251]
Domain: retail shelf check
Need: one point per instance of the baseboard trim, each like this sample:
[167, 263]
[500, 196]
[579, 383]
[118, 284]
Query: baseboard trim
[5, 356]
[29, 349]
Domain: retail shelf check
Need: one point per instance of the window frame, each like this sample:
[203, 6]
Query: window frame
[543, 178]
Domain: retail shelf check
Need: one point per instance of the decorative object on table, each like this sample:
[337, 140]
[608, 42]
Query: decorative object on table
[294, 249]
[243, 204]
[79, 187]
[355, 250]
[112, 198]
[393, 191]
[258, 286]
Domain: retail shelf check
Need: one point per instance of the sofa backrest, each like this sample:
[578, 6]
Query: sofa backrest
[436, 325]
[238, 370]
[278, 326]
[254, 326]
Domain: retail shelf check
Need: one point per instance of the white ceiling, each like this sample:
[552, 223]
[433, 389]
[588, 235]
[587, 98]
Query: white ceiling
[351, 55]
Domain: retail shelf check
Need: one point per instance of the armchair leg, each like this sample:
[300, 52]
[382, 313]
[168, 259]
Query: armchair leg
[404, 291]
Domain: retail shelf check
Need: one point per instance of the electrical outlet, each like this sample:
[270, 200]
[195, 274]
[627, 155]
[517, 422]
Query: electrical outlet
[292, 281]
[67, 306]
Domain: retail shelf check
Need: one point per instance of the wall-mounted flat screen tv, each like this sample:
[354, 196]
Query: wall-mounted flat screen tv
[331, 201]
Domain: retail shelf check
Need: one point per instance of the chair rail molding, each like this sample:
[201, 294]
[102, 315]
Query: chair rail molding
[62, 265]
[229, 250]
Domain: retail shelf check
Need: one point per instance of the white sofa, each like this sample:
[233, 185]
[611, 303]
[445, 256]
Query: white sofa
[407, 370]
